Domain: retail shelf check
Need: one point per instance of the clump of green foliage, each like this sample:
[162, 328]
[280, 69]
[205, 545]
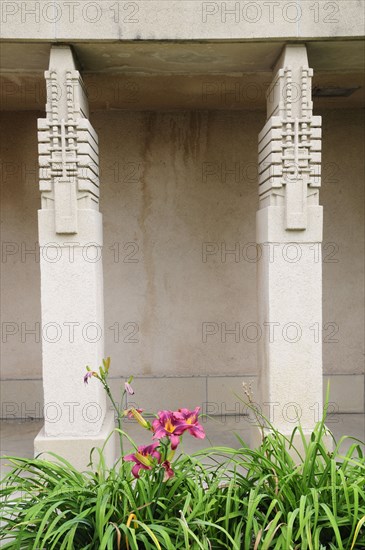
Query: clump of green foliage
[275, 497]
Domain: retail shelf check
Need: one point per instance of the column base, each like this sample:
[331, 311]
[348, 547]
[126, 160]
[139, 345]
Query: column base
[77, 449]
[297, 442]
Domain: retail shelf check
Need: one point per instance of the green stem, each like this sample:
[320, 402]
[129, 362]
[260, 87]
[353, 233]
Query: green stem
[165, 447]
[119, 417]
[161, 476]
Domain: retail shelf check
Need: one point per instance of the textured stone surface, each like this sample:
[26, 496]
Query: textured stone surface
[181, 19]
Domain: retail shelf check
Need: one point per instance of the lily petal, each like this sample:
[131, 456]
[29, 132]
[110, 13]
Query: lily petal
[175, 440]
[135, 470]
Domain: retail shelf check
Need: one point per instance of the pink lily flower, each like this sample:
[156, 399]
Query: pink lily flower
[166, 425]
[88, 375]
[189, 419]
[169, 472]
[129, 412]
[144, 458]
[128, 388]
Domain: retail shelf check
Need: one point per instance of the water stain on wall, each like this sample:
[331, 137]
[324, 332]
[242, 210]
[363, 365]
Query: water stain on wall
[149, 314]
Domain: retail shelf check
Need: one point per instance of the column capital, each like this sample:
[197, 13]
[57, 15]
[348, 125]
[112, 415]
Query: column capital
[67, 145]
[290, 154]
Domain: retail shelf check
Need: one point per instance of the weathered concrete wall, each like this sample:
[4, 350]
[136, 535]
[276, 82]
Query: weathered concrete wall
[180, 199]
[342, 195]
[170, 184]
[20, 275]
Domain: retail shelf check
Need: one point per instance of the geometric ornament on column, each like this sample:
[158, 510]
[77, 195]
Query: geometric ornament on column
[68, 147]
[290, 146]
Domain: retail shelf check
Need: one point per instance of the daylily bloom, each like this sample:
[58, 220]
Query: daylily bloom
[88, 375]
[189, 419]
[169, 472]
[128, 388]
[129, 412]
[136, 414]
[144, 458]
[166, 425]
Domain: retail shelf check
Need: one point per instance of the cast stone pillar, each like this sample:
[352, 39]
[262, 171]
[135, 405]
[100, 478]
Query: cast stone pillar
[70, 237]
[289, 234]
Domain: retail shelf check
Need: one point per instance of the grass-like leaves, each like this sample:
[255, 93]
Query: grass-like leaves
[219, 498]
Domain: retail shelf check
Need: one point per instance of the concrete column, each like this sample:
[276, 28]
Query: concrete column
[289, 233]
[71, 239]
